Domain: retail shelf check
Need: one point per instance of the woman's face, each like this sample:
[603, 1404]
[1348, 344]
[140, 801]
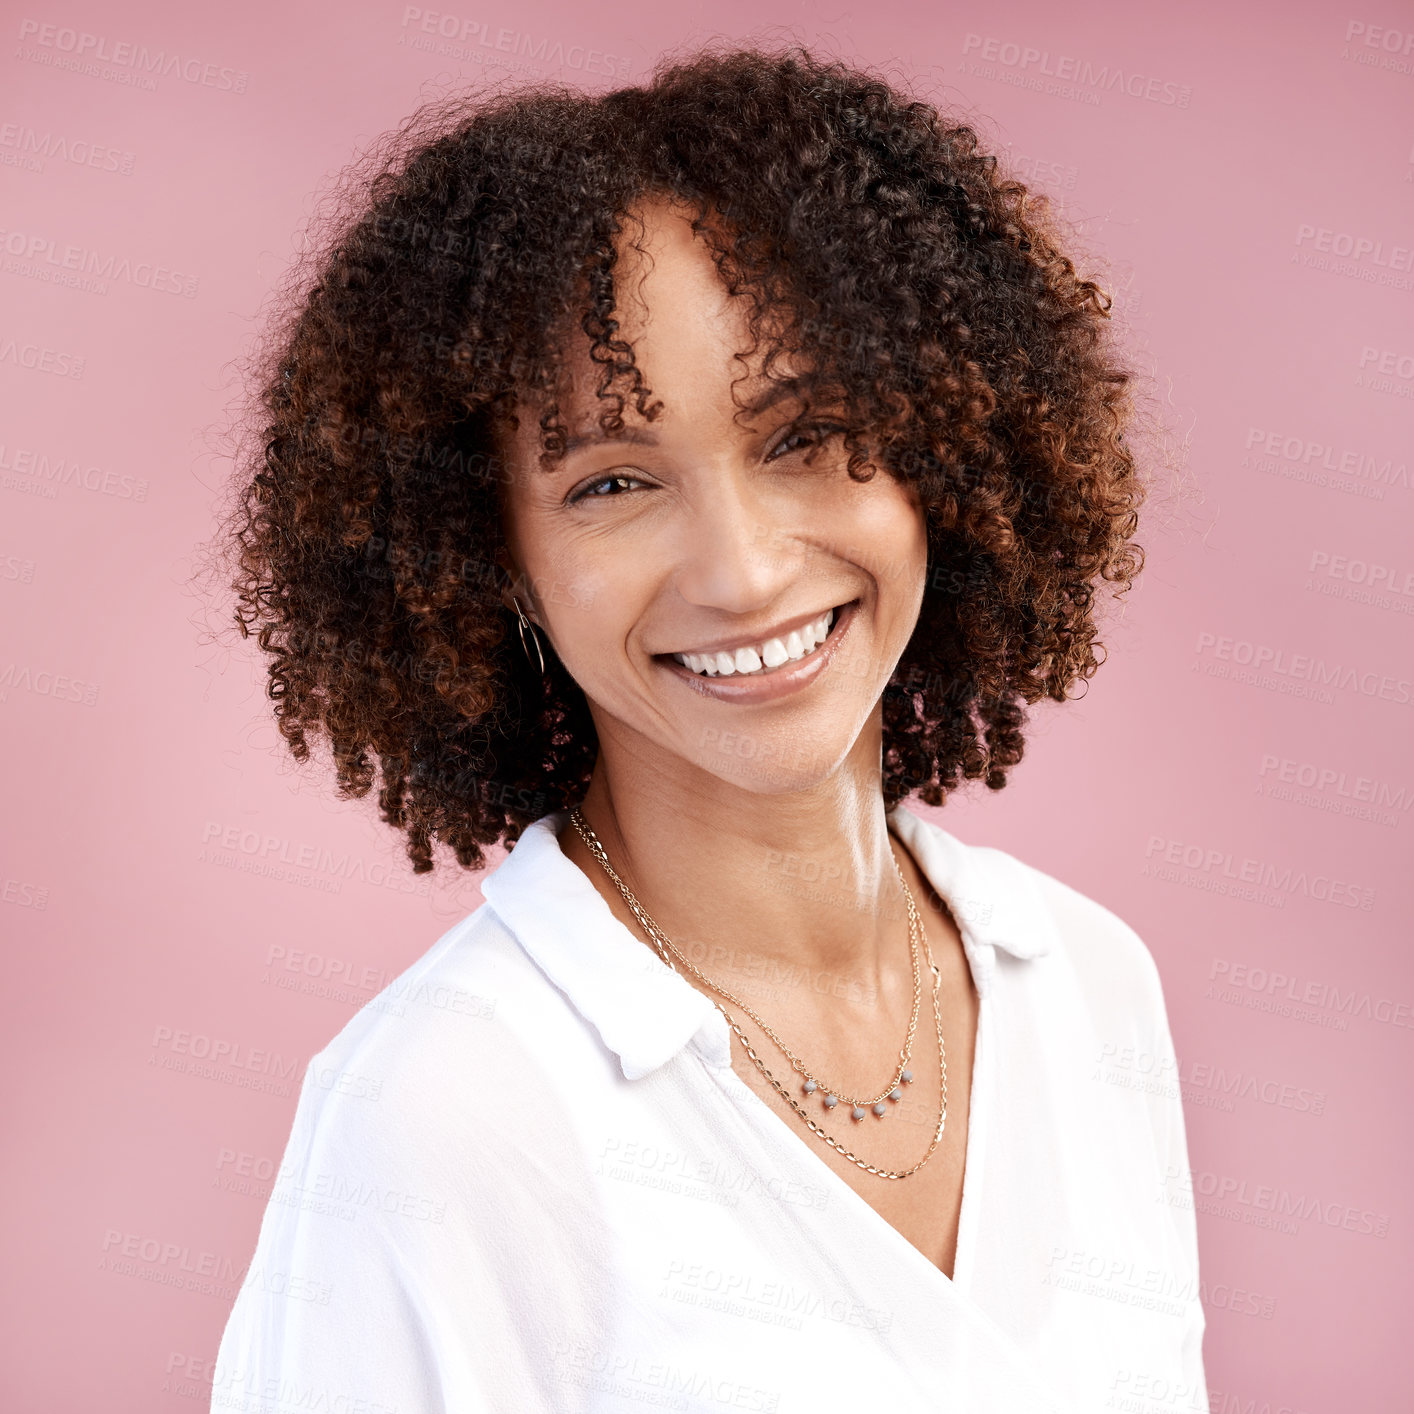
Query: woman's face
[702, 538]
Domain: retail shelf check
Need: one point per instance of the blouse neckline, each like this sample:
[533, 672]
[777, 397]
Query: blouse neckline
[646, 1013]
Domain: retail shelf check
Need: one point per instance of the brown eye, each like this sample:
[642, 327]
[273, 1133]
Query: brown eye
[814, 434]
[615, 485]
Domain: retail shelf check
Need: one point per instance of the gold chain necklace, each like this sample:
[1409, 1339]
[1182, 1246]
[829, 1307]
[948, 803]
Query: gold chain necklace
[667, 951]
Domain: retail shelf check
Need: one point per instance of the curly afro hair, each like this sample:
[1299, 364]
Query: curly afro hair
[866, 235]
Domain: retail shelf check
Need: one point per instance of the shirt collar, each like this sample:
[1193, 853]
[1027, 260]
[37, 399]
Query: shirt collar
[644, 1011]
[991, 895]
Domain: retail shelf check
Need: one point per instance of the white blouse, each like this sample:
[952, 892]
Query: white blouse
[526, 1178]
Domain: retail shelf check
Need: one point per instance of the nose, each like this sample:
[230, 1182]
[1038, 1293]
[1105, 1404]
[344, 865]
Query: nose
[736, 551]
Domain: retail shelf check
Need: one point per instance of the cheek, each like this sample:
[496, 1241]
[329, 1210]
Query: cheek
[569, 582]
[562, 569]
[589, 592]
[890, 538]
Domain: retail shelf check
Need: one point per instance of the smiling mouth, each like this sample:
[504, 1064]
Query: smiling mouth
[762, 658]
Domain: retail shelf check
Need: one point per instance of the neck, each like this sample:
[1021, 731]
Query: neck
[752, 885]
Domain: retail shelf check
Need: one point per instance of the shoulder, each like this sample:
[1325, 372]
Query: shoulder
[1053, 930]
[418, 1199]
[420, 1073]
[1111, 966]
[1091, 935]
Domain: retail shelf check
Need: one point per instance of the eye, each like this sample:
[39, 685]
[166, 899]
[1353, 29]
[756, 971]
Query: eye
[602, 486]
[816, 433]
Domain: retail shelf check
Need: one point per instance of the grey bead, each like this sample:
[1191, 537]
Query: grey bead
[906, 1076]
[830, 1102]
[880, 1108]
[856, 1113]
[810, 1087]
[895, 1093]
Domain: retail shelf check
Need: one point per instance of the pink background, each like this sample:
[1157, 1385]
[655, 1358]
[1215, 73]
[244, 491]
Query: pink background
[167, 871]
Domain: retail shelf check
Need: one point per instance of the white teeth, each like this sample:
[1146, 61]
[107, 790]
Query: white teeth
[771, 654]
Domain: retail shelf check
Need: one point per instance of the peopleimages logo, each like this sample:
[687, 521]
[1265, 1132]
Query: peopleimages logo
[1259, 873]
[1317, 456]
[30, 145]
[1392, 41]
[1354, 246]
[1300, 668]
[1353, 787]
[463, 37]
[1289, 994]
[1242, 1192]
[61, 46]
[1379, 47]
[41, 256]
[1064, 68]
[1352, 570]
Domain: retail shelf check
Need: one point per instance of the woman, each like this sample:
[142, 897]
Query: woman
[669, 484]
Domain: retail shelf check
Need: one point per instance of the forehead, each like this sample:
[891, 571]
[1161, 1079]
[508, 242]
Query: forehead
[691, 337]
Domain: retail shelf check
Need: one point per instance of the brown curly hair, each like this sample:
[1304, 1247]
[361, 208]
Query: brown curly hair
[865, 233]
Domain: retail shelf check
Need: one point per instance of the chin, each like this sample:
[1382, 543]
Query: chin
[784, 761]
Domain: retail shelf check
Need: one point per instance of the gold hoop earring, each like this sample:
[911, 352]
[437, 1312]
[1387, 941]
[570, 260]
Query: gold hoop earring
[523, 623]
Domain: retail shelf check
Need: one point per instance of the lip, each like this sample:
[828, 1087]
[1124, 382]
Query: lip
[774, 682]
[725, 646]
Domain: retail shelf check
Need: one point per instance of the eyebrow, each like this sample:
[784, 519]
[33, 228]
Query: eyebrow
[599, 437]
[777, 392]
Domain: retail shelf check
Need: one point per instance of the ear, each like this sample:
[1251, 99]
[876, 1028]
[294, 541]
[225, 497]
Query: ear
[515, 585]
